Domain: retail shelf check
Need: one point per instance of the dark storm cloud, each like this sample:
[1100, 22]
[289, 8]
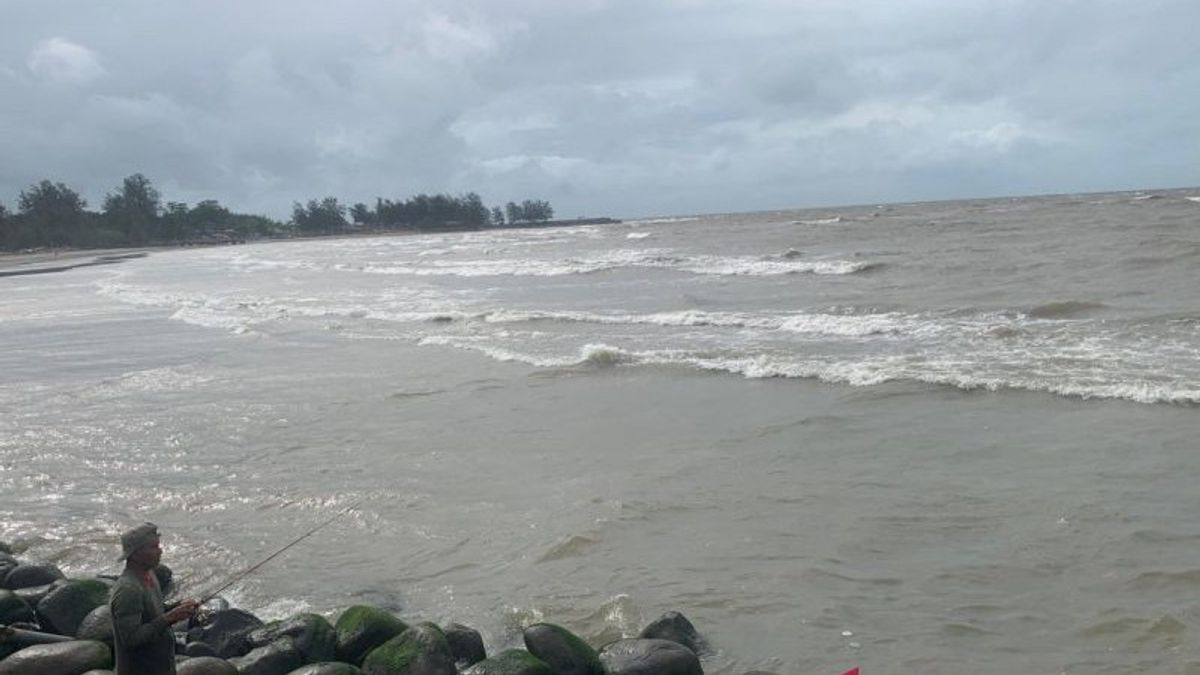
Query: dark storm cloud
[601, 107]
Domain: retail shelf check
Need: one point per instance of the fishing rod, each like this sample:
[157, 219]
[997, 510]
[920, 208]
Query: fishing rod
[250, 570]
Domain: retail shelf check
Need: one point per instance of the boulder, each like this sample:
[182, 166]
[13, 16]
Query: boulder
[362, 628]
[5, 548]
[61, 658]
[32, 595]
[14, 609]
[565, 652]
[7, 563]
[226, 631]
[199, 649]
[328, 668]
[466, 644]
[278, 658]
[510, 662]
[165, 576]
[313, 635]
[64, 608]
[97, 625]
[28, 576]
[420, 650]
[205, 665]
[641, 656]
[675, 627]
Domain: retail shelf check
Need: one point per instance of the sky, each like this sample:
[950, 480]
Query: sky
[603, 107]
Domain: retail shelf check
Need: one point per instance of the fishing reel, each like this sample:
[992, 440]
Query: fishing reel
[206, 610]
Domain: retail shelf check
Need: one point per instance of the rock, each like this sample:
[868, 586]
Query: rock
[7, 563]
[510, 662]
[27, 576]
[466, 644]
[362, 628]
[5, 548]
[675, 627]
[99, 672]
[226, 631]
[64, 608]
[420, 650]
[199, 649]
[328, 668]
[313, 635]
[34, 594]
[165, 577]
[97, 625]
[61, 658]
[565, 652]
[641, 656]
[14, 609]
[206, 665]
[278, 658]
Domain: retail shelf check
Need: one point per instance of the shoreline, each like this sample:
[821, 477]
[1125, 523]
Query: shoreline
[62, 260]
[24, 264]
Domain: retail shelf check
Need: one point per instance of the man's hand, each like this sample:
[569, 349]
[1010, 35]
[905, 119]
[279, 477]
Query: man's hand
[182, 611]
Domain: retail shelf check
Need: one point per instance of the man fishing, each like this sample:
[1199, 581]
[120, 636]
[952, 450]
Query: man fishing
[142, 639]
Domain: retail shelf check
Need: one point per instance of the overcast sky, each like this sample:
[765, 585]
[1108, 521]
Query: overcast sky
[603, 107]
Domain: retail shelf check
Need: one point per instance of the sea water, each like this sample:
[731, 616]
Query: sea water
[916, 438]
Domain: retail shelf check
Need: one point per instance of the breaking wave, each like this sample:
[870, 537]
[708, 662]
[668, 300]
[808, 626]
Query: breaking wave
[812, 323]
[643, 259]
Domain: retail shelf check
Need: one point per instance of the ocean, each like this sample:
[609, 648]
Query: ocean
[931, 437]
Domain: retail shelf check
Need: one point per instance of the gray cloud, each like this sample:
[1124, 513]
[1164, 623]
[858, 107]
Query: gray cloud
[603, 107]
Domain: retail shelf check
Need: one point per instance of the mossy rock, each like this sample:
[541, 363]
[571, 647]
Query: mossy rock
[60, 658]
[511, 662]
[13, 609]
[362, 628]
[565, 652]
[420, 650]
[313, 635]
[64, 608]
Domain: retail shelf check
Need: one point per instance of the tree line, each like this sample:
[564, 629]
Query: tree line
[52, 215]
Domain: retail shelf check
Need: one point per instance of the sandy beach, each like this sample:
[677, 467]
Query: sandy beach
[45, 262]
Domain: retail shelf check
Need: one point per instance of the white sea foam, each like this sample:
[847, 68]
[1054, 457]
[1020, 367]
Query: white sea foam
[962, 353]
[638, 235]
[878, 370]
[1193, 199]
[155, 380]
[803, 323]
[644, 258]
[819, 221]
[655, 221]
